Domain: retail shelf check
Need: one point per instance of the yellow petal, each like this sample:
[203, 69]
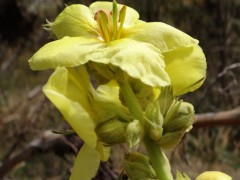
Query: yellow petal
[75, 20]
[68, 52]
[107, 104]
[69, 94]
[104, 151]
[131, 15]
[139, 60]
[186, 68]
[161, 35]
[213, 175]
[86, 164]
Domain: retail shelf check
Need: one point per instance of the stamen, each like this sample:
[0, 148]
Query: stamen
[102, 20]
[122, 16]
[115, 19]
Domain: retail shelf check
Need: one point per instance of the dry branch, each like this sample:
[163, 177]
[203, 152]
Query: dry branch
[45, 143]
[230, 117]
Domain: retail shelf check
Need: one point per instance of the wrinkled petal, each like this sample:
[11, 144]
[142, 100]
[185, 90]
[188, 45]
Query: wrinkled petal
[86, 164]
[186, 68]
[68, 52]
[161, 35]
[131, 15]
[69, 94]
[75, 20]
[139, 60]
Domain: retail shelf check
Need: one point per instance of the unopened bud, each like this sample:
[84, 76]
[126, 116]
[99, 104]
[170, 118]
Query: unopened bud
[171, 139]
[155, 123]
[134, 133]
[112, 131]
[183, 120]
[137, 166]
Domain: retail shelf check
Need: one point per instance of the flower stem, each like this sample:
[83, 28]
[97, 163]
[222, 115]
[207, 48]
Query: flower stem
[159, 161]
[131, 100]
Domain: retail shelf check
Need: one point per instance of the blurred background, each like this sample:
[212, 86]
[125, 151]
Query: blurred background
[28, 149]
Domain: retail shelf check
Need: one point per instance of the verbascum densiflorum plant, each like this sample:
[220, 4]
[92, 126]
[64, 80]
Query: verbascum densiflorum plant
[137, 69]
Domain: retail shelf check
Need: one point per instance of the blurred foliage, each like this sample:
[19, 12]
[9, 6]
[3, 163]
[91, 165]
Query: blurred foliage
[25, 112]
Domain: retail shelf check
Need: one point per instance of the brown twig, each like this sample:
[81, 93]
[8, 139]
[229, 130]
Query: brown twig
[46, 142]
[230, 117]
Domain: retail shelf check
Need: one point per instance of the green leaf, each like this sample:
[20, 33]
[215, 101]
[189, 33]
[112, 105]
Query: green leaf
[139, 60]
[164, 37]
[69, 94]
[86, 164]
[75, 20]
[186, 68]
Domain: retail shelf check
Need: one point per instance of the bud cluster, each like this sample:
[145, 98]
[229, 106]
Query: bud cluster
[169, 119]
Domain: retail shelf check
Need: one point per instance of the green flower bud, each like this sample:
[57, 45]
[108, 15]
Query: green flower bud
[155, 117]
[112, 131]
[183, 120]
[179, 120]
[172, 112]
[166, 99]
[137, 166]
[134, 133]
[171, 139]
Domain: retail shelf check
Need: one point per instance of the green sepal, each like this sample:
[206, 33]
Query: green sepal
[181, 176]
[134, 133]
[171, 139]
[112, 132]
[138, 166]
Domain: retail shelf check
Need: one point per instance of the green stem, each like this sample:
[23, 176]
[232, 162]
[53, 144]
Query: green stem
[131, 100]
[158, 159]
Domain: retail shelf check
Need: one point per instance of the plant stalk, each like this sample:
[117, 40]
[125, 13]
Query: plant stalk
[159, 161]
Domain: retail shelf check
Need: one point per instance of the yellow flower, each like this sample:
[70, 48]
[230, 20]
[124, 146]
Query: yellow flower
[70, 90]
[112, 34]
[213, 175]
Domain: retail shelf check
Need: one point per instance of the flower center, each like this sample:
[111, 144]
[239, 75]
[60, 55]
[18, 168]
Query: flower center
[111, 23]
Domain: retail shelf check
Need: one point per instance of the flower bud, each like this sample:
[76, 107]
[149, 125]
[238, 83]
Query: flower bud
[166, 99]
[137, 166]
[183, 120]
[112, 131]
[155, 117]
[179, 120]
[134, 133]
[171, 139]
